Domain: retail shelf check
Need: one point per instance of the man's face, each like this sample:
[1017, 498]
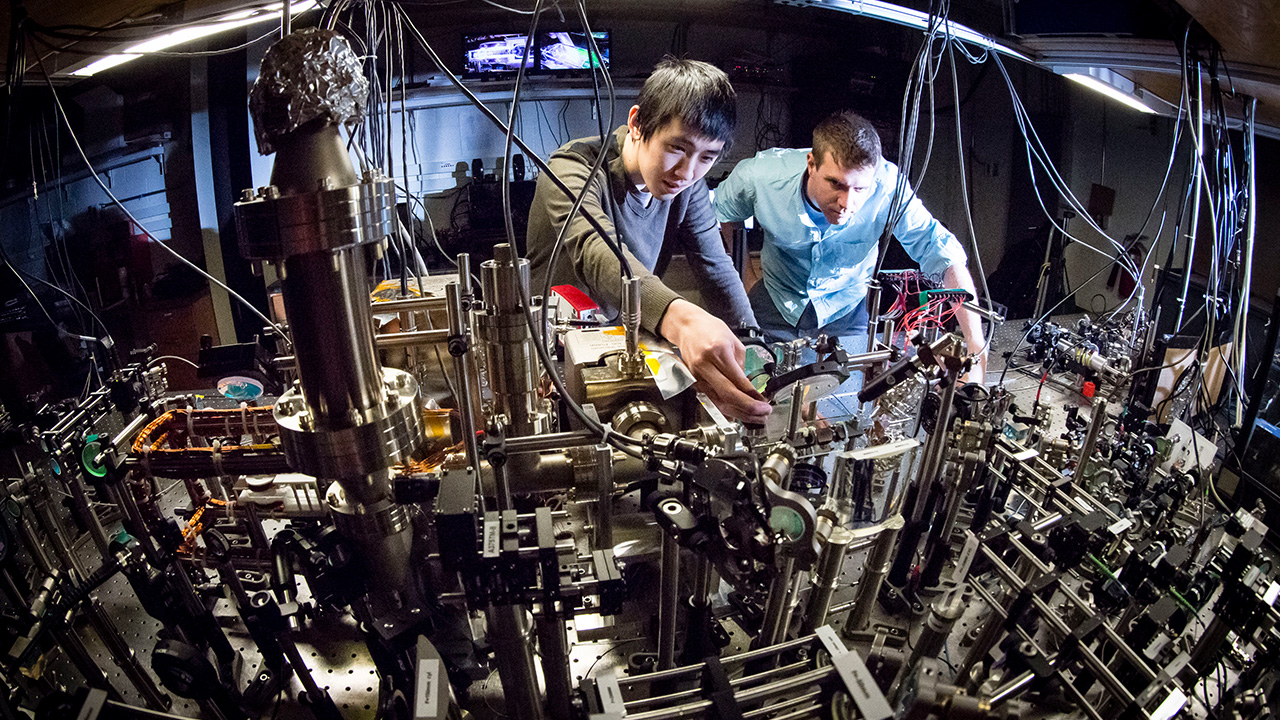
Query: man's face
[673, 158]
[837, 191]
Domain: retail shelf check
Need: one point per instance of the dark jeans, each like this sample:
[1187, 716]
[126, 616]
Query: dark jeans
[777, 329]
[851, 330]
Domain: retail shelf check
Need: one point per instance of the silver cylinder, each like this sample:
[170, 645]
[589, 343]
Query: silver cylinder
[826, 576]
[509, 633]
[1091, 435]
[553, 648]
[326, 297]
[992, 631]
[383, 534]
[511, 356]
[943, 614]
[935, 448]
[873, 313]
[777, 609]
[466, 404]
[874, 571]
[632, 362]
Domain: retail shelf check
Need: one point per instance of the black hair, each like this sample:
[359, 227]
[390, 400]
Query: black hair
[697, 93]
[849, 139]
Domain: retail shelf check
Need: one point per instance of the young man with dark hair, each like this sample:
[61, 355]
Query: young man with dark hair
[822, 211]
[649, 196]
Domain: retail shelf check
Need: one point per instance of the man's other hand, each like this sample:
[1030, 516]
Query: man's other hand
[715, 356]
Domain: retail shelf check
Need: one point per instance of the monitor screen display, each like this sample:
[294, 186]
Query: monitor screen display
[494, 53]
[570, 50]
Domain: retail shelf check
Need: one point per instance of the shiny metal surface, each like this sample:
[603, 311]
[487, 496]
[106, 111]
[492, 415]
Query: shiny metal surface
[874, 571]
[392, 435]
[668, 603]
[306, 76]
[511, 634]
[324, 295]
[510, 356]
[826, 577]
[323, 219]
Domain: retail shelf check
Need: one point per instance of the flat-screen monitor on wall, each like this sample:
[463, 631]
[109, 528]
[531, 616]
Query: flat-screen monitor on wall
[494, 54]
[568, 51]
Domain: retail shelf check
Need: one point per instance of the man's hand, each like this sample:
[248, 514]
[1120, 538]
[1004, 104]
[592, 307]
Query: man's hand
[970, 324]
[715, 357]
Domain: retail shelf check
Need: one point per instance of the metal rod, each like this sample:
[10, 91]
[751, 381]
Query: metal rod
[74, 647]
[1006, 691]
[458, 327]
[777, 609]
[1060, 626]
[501, 485]
[737, 683]
[763, 692]
[553, 648]
[383, 341]
[943, 614]
[695, 668]
[797, 400]
[409, 339]
[603, 523]
[668, 603]
[1091, 435]
[631, 364]
[874, 289]
[826, 577]
[513, 650]
[81, 500]
[874, 570]
[991, 632]
[412, 304]
[550, 441]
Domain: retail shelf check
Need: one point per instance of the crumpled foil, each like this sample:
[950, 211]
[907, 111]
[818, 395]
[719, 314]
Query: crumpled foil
[310, 74]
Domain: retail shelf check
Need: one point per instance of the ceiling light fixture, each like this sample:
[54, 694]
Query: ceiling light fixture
[1111, 84]
[190, 33]
[899, 15]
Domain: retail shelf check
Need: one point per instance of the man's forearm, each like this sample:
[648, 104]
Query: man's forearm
[957, 276]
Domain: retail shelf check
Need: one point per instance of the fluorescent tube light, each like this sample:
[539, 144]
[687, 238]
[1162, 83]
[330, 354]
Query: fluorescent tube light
[191, 33]
[1113, 85]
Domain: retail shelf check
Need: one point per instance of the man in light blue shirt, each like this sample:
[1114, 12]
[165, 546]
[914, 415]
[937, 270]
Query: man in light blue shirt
[822, 212]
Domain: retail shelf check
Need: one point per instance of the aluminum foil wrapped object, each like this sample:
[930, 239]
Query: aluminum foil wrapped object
[311, 74]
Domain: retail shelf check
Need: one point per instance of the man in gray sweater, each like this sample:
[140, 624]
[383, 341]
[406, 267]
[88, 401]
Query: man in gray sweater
[650, 198]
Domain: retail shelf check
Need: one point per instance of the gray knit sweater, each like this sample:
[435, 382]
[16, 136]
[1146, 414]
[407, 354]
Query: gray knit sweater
[650, 235]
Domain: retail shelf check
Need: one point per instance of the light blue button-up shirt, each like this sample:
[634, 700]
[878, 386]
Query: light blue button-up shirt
[808, 260]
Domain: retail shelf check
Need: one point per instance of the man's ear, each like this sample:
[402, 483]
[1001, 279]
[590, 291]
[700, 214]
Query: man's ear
[633, 122]
[813, 166]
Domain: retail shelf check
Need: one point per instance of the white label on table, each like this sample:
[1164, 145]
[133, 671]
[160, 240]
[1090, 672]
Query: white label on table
[428, 690]
[610, 695]
[966, 557]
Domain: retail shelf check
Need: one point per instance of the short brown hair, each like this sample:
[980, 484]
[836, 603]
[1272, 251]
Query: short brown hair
[697, 93]
[849, 139]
